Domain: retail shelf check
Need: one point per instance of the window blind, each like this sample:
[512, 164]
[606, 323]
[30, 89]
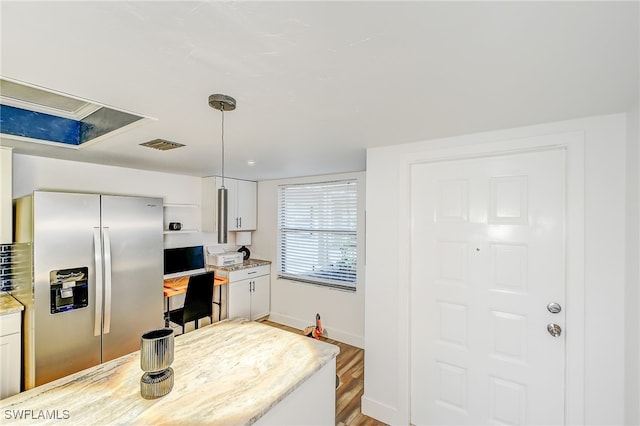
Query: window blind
[318, 233]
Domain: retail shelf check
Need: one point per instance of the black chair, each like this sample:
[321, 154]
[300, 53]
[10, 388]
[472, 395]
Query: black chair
[198, 302]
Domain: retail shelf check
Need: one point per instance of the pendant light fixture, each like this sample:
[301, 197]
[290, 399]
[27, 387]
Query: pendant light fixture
[222, 103]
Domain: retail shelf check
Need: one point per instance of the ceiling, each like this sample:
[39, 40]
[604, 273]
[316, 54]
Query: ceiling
[317, 83]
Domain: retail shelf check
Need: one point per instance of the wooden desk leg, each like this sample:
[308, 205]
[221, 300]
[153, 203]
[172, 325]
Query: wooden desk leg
[166, 315]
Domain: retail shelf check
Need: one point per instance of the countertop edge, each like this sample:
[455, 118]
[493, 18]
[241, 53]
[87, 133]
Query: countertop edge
[247, 264]
[9, 304]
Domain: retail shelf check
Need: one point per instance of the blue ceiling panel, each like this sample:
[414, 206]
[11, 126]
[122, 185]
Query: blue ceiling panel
[36, 125]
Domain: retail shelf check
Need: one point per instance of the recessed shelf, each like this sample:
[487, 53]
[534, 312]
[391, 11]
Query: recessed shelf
[188, 215]
[182, 231]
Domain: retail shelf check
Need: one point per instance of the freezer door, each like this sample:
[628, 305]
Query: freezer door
[62, 341]
[133, 284]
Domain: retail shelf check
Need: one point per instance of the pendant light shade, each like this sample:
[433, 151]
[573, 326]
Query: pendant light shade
[222, 103]
[222, 215]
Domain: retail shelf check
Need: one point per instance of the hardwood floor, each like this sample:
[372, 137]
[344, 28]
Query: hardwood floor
[350, 370]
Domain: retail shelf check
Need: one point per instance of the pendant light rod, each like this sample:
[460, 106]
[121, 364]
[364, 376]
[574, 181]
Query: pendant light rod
[222, 103]
[222, 137]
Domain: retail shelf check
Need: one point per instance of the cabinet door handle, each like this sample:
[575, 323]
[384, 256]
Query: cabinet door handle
[240, 226]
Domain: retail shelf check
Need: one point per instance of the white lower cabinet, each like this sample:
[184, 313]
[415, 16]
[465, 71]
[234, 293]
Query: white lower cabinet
[10, 353]
[239, 301]
[260, 297]
[249, 293]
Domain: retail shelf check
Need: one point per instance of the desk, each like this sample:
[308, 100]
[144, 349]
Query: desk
[178, 285]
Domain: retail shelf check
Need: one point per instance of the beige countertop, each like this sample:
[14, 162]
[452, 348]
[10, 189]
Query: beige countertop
[249, 263]
[229, 373]
[9, 305]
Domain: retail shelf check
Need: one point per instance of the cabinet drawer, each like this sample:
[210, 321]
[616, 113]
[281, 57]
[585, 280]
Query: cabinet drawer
[248, 273]
[10, 323]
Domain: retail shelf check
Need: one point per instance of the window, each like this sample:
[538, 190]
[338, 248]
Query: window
[317, 225]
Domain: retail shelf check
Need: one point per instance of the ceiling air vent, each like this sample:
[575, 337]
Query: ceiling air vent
[162, 144]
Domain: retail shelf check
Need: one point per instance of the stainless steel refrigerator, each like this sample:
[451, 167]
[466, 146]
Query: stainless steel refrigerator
[97, 279]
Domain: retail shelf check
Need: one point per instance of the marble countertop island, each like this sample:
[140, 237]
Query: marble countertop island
[229, 373]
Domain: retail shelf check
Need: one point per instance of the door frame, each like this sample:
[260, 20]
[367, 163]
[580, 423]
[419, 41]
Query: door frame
[573, 145]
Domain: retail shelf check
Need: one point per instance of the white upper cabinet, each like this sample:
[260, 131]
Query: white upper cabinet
[242, 203]
[6, 208]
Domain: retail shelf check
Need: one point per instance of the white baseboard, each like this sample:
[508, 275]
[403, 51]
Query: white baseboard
[379, 411]
[340, 336]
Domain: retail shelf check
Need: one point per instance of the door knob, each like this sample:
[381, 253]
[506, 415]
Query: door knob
[554, 330]
[554, 307]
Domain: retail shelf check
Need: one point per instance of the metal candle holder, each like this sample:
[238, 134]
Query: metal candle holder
[156, 356]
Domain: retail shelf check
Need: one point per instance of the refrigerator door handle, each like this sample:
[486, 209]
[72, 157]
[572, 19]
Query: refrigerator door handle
[107, 282]
[97, 257]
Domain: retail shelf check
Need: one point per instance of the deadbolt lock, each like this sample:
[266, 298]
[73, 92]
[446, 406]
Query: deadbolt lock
[554, 307]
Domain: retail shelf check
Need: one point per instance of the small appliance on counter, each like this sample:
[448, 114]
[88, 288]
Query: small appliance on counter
[216, 256]
[243, 238]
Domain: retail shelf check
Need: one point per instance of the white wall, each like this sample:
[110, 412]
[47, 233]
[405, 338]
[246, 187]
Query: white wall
[31, 173]
[295, 303]
[632, 299]
[386, 335]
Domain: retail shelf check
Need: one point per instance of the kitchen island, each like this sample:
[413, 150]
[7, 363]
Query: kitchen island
[234, 372]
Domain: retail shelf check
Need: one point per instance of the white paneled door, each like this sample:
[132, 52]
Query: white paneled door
[487, 267]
